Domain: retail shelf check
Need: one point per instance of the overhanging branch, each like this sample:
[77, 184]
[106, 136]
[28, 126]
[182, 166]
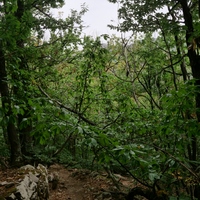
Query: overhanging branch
[67, 108]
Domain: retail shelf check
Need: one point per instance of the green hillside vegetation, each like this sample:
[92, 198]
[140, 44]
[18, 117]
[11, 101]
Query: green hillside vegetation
[124, 105]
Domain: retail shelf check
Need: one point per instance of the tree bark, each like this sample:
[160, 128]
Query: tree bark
[194, 59]
[24, 131]
[15, 148]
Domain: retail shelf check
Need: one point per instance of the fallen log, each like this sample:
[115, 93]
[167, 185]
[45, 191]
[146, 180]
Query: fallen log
[147, 193]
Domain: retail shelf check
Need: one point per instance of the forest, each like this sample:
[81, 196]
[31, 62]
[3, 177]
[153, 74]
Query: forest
[126, 105]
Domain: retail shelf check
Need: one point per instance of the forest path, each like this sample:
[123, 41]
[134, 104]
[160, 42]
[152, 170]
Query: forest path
[82, 184]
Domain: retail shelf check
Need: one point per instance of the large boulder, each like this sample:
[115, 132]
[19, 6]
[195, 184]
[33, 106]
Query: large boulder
[30, 183]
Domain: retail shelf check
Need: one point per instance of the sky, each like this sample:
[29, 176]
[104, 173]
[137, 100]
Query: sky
[100, 13]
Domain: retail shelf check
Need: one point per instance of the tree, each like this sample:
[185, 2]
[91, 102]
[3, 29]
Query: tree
[130, 105]
[175, 23]
[20, 57]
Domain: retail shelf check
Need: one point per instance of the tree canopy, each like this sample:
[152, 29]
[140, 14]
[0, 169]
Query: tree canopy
[125, 105]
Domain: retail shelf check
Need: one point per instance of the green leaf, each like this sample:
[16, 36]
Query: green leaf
[80, 130]
[154, 176]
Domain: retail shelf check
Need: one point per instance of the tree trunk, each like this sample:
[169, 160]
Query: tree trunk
[24, 131]
[194, 59]
[15, 148]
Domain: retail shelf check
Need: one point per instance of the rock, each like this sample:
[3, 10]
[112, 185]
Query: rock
[31, 184]
[103, 196]
[53, 179]
[27, 167]
[106, 195]
[43, 184]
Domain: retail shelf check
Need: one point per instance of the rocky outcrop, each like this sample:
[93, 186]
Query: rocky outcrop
[30, 183]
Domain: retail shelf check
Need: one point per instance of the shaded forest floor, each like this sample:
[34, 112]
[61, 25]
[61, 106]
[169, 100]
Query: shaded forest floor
[81, 184]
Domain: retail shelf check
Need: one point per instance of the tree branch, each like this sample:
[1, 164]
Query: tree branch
[67, 108]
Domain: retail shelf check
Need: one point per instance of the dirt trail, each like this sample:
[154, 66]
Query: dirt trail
[69, 187]
[84, 185]
[79, 184]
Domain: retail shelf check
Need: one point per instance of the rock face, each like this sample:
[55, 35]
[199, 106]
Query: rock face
[31, 184]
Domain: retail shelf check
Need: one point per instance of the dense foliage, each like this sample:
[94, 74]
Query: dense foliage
[124, 105]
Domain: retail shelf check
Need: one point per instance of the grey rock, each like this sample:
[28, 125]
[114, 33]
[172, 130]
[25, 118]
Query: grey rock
[33, 186]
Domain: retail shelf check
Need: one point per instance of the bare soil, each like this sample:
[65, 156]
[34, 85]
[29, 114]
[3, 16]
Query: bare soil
[79, 184]
[83, 184]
